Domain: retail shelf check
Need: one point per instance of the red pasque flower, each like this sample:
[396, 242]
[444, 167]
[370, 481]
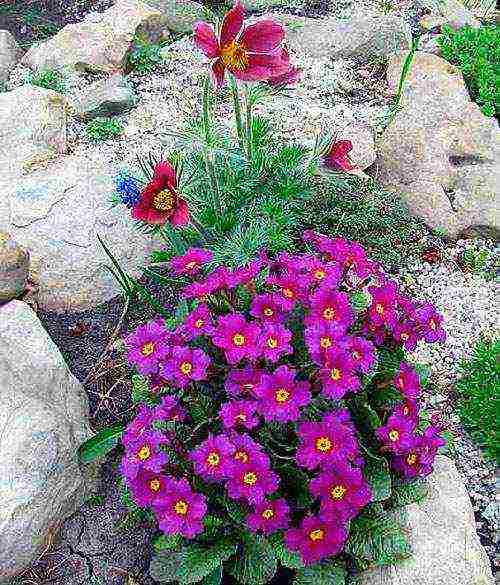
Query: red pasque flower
[251, 54]
[159, 201]
[337, 157]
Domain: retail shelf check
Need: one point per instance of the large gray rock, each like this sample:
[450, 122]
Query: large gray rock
[453, 12]
[359, 38]
[180, 15]
[101, 43]
[56, 213]
[10, 53]
[32, 130]
[105, 97]
[446, 548]
[14, 268]
[437, 131]
[43, 420]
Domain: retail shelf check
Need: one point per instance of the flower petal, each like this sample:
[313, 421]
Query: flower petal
[232, 23]
[218, 70]
[180, 215]
[263, 36]
[164, 173]
[261, 67]
[205, 39]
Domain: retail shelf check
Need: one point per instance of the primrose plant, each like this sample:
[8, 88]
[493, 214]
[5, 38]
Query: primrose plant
[278, 422]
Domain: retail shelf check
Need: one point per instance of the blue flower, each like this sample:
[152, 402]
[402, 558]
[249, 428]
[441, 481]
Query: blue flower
[128, 189]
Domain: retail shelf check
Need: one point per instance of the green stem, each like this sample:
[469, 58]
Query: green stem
[249, 129]
[237, 112]
[212, 176]
[206, 111]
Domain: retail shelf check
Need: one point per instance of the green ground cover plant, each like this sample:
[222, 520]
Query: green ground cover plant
[479, 393]
[48, 79]
[102, 128]
[477, 52]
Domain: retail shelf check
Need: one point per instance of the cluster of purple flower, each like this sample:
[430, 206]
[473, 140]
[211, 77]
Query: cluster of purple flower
[255, 348]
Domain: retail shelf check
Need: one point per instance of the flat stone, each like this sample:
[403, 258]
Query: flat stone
[102, 43]
[446, 547]
[180, 15]
[43, 420]
[359, 38]
[10, 53]
[105, 97]
[14, 268]
[56, 213]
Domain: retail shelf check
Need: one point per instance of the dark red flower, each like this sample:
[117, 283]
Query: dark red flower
[337, 158]
[254, 54]
[159, 201]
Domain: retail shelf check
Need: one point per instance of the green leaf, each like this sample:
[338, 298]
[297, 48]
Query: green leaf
[167, 542]
[100, 444]
[377, 474]
[257, 564]
[164, 566]
[287, 558]
[377, 539]
[236, 511]
[329, 573]
[215, 578]
[408, 493]
[360, 300]
[198, 562]
[423, 372]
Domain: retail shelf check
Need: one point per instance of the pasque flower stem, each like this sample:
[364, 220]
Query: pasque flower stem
[237, 111]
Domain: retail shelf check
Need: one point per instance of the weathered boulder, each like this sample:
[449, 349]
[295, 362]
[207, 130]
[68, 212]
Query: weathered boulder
[452, 12]
[56, 212]
[436, 131]
[363, 153]
[14, 268]
[43, 417]
[360, 37]
[180, 15]
[101, 43]
[446, 547]
[10, 53]
[32, 129]
[105, 97]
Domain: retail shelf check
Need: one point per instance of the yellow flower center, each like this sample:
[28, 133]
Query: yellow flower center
[272, 342]
[191, 265]
[267, 514]
[181, 507]
[288, 293]
[432, 324]
[241, 456]
[356, 355]
[213, 459]
[249, 386]
[282, 395]
[268, 312]
[394, 435]
[335, 374]
[406, 411]
[250, 478]
[144, 453]
[238, 339]
[404, 336]
[199, 323]
[338, 492]
[323, 444]
[379, 308]
[234, 56]
[329, 313]
[319, 274]
[317, 534]
[411, 459]
[242, 417]
[186, 368]
[164, 200]
[325, 342]
[148, 348]
[155, 485]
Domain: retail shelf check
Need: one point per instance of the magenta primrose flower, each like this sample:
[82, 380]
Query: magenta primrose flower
[342, 490]
[274, 341]
[407, 381]
[245, 274]
[383, 308]
[191, 262]
[214, 282]
[269, 516]
[338, 376]
[251, 482]
[213, 459]
[169, 409]
[198, 322]
[321, 336]
[396, 435]
[328, 442]
[248, 451]
[147, 487]
[237, 337]
[144, 453]
[320, 273]
[316, 539]
[418, 461]
[243, 381]
[268, 307]
[239, 413]
[180, 510]
[185, 365]
[291, 289]
[330, 306]
[362, 352]
[147, 345]
[406, 333]
[430, 322]
[408, 409]
[140, 424]
[280, 396]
